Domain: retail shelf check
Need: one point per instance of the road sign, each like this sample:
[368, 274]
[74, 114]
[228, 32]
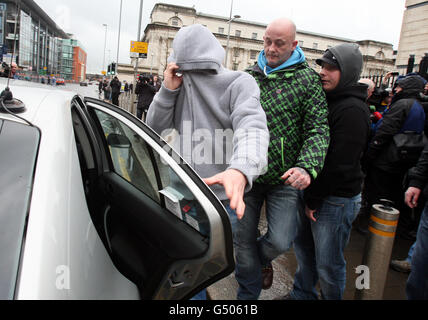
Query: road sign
[140, 48]
[104, 72]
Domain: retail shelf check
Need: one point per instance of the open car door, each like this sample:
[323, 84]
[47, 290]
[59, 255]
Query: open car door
[163, 227]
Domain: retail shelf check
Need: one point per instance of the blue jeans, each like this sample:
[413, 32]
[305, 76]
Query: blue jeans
[417, 283]
[319, 248]
[252, 253]
[410, 254]
[202, 295]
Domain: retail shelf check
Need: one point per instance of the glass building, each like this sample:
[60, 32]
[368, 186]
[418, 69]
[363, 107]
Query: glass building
[39, 41]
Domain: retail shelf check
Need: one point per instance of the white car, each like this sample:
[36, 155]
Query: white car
[95, 205]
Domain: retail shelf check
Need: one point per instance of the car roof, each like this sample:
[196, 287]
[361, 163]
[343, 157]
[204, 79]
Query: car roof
[35, 96]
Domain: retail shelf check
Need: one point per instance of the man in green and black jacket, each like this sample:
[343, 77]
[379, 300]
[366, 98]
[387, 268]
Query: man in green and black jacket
[295, 104]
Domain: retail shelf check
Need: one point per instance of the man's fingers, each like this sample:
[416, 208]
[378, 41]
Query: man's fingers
[213, 180]
[240, 210]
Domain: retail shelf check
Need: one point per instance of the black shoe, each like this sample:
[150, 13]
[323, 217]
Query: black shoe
[267, 277]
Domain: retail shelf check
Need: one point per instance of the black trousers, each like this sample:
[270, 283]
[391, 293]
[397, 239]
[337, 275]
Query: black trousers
[115, 98]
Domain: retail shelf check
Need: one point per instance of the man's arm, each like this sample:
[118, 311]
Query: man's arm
[316, 132]
[250, 143]
[161, 112]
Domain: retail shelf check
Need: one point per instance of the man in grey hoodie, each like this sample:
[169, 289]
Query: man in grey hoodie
[202, 100]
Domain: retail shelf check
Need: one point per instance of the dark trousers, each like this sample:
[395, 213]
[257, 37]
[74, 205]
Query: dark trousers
[115, 98]
[380, 184]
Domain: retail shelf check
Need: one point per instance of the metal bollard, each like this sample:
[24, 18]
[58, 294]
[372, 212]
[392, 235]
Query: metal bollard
[377, 253]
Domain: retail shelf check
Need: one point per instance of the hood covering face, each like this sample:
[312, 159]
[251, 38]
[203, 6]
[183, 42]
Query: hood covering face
[350, 61]
[196, 49]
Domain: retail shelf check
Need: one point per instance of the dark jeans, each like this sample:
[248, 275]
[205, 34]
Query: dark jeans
[282, 206]
[417, 283]
[319, 248]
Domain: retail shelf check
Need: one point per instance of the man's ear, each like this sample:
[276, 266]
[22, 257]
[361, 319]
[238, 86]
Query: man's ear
[295, 42]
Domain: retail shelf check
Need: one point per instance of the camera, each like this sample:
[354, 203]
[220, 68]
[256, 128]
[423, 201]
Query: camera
[145, 78]
[4, 70]
[378, 96]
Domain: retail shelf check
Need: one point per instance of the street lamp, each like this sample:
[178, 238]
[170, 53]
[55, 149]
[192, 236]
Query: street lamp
[105, 45]
[228, 36]
[118, 38]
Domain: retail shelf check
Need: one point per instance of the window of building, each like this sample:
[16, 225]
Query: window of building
[237, 33]
[253, 54]
[254, 35]
[235, 67]
[380, 55]
[220, 30]
[301, 43]
[315, 45]
[174, 22]
[236, 52]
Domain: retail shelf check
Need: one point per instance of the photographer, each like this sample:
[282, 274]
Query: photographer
[7, 71]
[145, 91]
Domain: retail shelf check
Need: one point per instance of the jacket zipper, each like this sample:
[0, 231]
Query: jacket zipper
[282, 153]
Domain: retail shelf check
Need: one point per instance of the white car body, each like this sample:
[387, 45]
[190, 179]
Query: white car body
[63, 256]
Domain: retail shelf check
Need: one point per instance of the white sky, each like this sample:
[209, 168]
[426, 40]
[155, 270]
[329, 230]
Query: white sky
[378, 20]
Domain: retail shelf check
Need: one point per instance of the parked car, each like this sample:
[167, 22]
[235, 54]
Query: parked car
[94, 205]
[60, 81]
[83, 83]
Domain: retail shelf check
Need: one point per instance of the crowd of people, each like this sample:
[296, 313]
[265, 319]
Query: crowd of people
[147, 86]
[323, 154]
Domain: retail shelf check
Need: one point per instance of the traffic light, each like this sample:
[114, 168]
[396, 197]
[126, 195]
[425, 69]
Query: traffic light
[113, 68]
[109, 69]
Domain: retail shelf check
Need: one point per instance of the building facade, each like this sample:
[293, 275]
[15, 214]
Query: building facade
[414, 34]
[38, 38]
[73, 60]
[246, 41]
[41, 47]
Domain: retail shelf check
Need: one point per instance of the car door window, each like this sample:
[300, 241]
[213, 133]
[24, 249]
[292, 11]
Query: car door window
[141, 166]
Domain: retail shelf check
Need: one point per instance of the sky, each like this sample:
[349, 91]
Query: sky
[378, 20]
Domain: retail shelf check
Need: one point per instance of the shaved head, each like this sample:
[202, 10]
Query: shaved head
[283, 26]
[279, 41]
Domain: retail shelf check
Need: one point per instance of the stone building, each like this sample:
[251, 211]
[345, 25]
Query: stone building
[246, 40]
[414, 34]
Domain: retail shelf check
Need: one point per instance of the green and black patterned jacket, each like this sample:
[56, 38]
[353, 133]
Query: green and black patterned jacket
[296, 111]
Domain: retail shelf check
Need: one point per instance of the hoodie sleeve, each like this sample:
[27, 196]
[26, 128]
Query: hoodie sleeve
[160, 116]
[251, 134]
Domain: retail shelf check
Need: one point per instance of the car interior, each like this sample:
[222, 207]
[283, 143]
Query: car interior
[143, 238]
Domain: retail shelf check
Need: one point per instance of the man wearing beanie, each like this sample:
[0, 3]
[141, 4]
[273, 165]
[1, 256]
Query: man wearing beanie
[333, 200]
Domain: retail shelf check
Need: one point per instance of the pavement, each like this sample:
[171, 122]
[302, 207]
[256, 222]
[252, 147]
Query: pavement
[285, 267]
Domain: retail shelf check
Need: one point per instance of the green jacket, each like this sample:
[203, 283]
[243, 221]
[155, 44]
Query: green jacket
[296, 111]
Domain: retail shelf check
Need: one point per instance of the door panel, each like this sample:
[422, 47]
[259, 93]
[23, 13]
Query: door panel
[165, 229]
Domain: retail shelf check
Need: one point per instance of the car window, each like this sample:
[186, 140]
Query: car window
[141, 166]
[18, 153]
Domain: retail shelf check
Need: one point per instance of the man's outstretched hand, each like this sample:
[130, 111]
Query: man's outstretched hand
[234, 183]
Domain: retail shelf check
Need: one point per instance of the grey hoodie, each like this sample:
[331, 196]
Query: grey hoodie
[217, 112]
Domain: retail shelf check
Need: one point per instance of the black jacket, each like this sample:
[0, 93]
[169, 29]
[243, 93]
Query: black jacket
[349, 121]
[145, 92]
[418, 176]
[115, 86]
[404, 114]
